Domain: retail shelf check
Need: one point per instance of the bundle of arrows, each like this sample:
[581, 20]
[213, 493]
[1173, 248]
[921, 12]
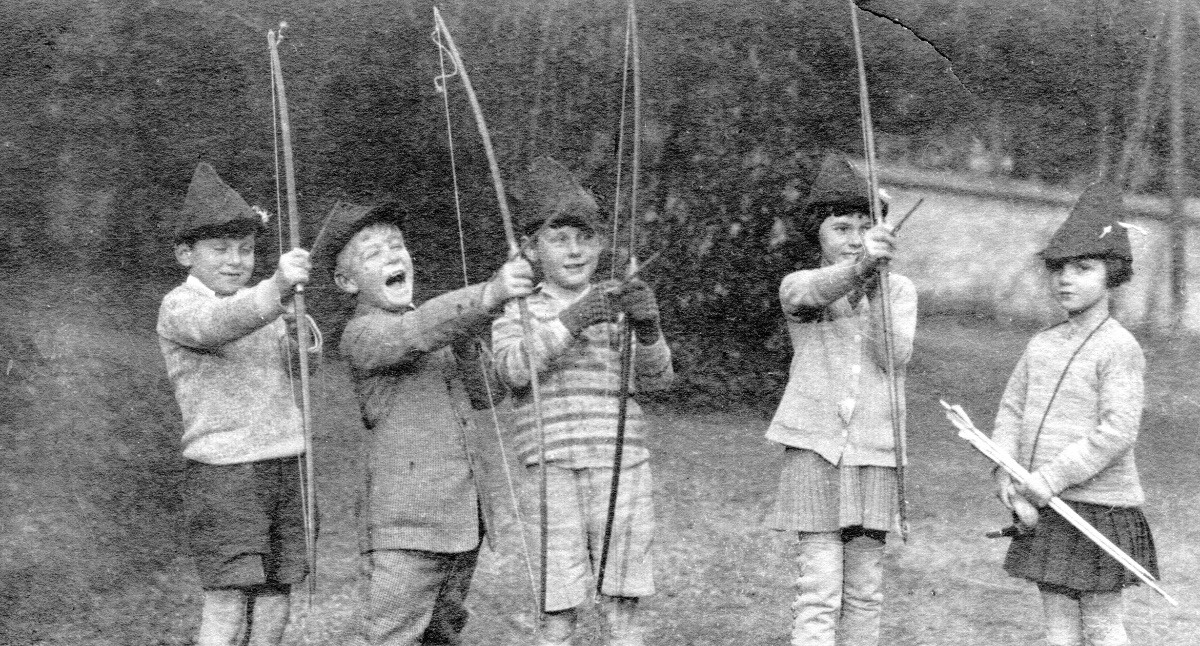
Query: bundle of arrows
[982, 443]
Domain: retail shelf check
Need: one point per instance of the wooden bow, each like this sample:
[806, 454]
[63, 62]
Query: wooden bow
[308, 482]
[626, 330]
[868, 133]
[514, 251]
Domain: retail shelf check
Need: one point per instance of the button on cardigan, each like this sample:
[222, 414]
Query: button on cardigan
[836, 402]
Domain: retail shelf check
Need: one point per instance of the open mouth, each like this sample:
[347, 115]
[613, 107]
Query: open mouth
[396, 279]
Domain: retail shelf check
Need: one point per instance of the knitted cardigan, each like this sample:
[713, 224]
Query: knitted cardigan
[836, 401]
[1085, 448]
[228, 360]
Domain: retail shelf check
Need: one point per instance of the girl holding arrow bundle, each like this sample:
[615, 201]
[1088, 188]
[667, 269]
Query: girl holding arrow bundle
[1070, 414]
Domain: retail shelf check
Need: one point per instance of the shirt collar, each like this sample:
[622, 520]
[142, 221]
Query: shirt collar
[551, 292]
[199, 285]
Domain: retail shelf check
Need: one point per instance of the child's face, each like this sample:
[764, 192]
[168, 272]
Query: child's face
[1079, 284]
[376, 265]
[568, 255]
[842, 238]
[224, 265]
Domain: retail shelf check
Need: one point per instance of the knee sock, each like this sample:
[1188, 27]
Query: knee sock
[1063, 624]
[623, 626]
[818, 601]
[270, 606]
[862, 592]
[223, 618]
[557, 628]
[1103, 616]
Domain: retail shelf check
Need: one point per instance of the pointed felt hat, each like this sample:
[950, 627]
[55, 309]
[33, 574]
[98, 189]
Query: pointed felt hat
[548, 193]
[212, 206]
[345, 220]
[1093, 227]
[837, 183]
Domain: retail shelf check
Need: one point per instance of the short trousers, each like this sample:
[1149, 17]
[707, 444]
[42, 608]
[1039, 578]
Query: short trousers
[578, 511]
[245, 523]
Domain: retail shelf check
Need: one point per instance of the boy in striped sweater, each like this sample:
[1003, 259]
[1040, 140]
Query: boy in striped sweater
[575, 350]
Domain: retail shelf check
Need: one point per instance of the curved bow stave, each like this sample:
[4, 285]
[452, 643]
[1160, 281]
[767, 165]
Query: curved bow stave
[514, 250]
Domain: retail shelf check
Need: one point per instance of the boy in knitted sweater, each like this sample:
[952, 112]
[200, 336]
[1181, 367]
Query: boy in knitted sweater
[228, 355]
[575, 352]
[417, 373]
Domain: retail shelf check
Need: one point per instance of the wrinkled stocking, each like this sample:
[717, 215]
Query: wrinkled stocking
[862, 596]
[1103, 615]
[818, 589]
[1063, 625]
[557, 628]
[623, 626]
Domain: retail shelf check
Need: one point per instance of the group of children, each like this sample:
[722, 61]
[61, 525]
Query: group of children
[1070, 413]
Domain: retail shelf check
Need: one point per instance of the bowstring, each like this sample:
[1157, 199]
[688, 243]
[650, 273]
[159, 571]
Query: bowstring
[275, 143]
[305, 490]
[439, 83]
[622, 336]
[616, 217]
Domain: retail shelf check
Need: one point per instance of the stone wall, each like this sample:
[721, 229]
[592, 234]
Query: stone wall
[972, 246]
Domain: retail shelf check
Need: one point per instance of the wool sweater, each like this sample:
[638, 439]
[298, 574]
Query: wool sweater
[417, 375]
[579, 379]
[1085, 448]
[836, 401]
[228, 360]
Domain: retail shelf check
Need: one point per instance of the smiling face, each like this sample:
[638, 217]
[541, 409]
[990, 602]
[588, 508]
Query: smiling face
[568, 256]
[224, 265]
[376, 266]
[841, 238]
[1079, 284]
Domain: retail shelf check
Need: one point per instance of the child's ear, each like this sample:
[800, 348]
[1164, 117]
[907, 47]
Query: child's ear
[345, 283]
[183, 254]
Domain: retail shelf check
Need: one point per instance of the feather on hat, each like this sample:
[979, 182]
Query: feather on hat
[1094, 227]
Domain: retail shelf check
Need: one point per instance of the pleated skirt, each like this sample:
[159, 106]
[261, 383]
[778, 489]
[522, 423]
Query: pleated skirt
[1058, 554]
[817, 496]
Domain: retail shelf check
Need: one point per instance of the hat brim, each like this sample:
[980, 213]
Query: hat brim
[343, 222]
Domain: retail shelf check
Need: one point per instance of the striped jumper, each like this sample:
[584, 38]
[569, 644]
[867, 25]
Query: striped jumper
[579, 379]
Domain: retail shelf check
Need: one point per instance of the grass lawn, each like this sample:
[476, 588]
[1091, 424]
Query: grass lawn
[74, 575]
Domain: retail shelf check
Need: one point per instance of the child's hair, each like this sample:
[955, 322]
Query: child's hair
[807, 251]
[239, 228]
[1117, 271]
[573, 216]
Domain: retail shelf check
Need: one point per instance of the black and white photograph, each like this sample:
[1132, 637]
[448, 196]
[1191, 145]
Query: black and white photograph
[600, 323]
